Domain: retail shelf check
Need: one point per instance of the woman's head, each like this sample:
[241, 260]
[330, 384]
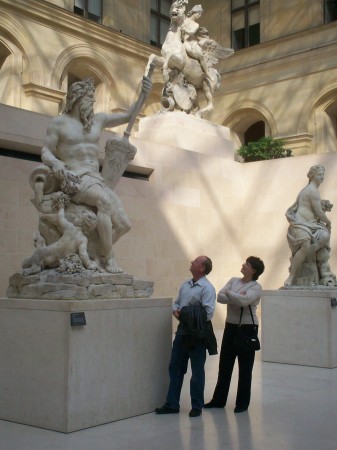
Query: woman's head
[314, 170]
[257, 264]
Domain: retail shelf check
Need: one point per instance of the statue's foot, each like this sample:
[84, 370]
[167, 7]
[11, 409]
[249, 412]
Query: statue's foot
[33, 270]
[112, 266]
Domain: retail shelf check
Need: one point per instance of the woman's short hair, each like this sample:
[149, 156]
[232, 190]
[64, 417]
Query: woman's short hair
[257, 264]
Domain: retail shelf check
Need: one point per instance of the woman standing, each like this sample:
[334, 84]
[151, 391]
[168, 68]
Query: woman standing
[237, 293]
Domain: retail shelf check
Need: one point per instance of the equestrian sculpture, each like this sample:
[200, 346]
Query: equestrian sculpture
[188, 57]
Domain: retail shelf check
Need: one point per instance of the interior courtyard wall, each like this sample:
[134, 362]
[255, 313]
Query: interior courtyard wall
[288, 17]
[283, 77]
[41, 72]
[192, 204]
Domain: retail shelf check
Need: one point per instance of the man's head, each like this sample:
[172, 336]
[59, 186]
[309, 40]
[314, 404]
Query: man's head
[201, 266]
[82, 92]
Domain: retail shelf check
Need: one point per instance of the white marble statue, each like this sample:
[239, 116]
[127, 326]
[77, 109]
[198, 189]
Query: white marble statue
[188, 57]
[309, 235]
[71, 167]
[73, 239]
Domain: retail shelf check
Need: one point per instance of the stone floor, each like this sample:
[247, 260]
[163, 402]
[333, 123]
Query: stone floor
[293, 408]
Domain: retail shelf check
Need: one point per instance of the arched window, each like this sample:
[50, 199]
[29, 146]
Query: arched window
[4, 53]
[254, 132]
[11, 62]
[331, 127]
[330, 11]
[79, 70]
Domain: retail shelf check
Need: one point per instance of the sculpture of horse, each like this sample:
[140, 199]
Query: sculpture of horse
[183, 74]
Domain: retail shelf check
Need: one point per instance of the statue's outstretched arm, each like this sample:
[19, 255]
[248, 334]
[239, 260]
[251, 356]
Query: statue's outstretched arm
[115, 119]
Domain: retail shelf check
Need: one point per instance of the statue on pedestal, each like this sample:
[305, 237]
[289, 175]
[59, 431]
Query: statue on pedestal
[188, 57]
[309, 235]
[80, 216]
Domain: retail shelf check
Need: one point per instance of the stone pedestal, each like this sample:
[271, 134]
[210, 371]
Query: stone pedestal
[66, 378]
[188, 132]
[299, 327]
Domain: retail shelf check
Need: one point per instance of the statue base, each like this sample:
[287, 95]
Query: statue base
[188, 132]
[299, 327]
[53, 285]
[66, 376]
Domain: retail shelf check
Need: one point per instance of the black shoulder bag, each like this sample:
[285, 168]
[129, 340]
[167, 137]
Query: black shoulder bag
[244, 342]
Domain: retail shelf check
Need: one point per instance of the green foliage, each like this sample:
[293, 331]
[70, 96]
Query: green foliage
[264, 148]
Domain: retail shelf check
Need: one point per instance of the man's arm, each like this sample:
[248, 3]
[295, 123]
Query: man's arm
[176, 305]
[208, 300]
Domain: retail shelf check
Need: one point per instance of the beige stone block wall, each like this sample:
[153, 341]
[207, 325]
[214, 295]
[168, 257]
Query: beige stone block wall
[288, 17]
[36, 70]
[289, 84]
[193, 204]
[17, 216]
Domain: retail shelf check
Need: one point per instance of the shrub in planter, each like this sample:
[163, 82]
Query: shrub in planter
[264, 148]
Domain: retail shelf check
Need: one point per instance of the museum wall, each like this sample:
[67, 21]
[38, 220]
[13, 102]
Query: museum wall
[290, 84]
[192, 204]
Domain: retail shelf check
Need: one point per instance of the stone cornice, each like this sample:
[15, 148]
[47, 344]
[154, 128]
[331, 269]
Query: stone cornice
[35, 90]
[293, 65]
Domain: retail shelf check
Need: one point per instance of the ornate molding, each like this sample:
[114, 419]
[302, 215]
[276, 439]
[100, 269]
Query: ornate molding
[34, 90]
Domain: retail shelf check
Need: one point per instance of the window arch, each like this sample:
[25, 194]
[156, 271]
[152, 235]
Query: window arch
[255, 132]
[80, 68]
[331, 112]
[252, 121]
[330, 11]
[319, 119]
[11, 62]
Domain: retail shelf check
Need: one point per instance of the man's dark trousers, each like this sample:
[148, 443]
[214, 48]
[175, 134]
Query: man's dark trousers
[178, 368]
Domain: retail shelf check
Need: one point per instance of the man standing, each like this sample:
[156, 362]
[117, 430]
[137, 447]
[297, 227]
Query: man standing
[197, 291]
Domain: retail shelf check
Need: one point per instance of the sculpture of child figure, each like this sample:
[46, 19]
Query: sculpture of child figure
[191, 31]
[73, 239]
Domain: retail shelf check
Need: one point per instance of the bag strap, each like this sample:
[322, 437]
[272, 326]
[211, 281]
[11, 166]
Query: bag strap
[241, 316]
[251, 315]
